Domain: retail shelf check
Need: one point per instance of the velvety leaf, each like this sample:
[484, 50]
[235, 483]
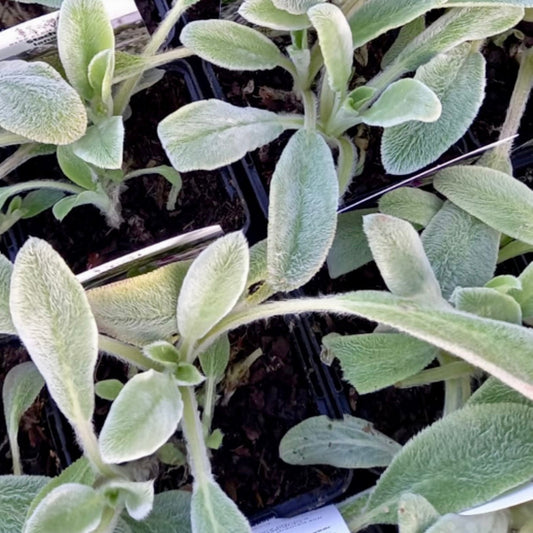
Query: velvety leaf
[433, 461]
[461, 249]
[75, 168]
[415, 514]
[500, 348]
[302, 214]
[505, 283]
[108, 389]
[399, 255]
[163, 352]
[210, 134]
[142, 418]
[296, 6]
[64, 206]
[453, 28]
[212, 510]
[170, 514]
[213, 285]
[138, 496]
[169, 173]
[525, 296]
[377, 360]
[488, 303]
[37, 103]
[499, 200]
[83, 30]
[101, 69]
[347, 443]
[349, 250]
[258, 263]
[406, 34]
[375, 17]
[411, 204]
[54, 321]
[22, 385]
[103, 144]
[215, 359]
[6, 269]
[187, 375]
[493, 522]
[16, 494]
[494, 391]
[80, 472]
[128, 65]
[142, 309]
[458, 80]
[231, 45]
[35, 202]
[402, 101]
[79, 506]
[335, 40]
[265, 13]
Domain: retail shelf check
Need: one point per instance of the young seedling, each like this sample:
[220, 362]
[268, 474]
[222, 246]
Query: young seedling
[80, 118]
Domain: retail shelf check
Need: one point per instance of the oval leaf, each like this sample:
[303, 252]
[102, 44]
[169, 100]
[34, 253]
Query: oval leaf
[411, 204]
[347, 443]
[377, 360]
[75, 168]
[488, 303]
[296, 6]
[302, 214]
[231, 45]
[493, 522]
[403, 101]
[499, 200]
[265, 13]
[451, 449]
[37, 103]
[375, 17]
[83, 31]
[103, 144]
[212, 285]
[21, 387]
[54, 321]
[143, 417]
[335, 40]
[400, 257]
[79, 506]
[458, 79]
[142, 309]
[461, 249]
[210, 134]
[215, 359]
[212, 510]
[138, 496]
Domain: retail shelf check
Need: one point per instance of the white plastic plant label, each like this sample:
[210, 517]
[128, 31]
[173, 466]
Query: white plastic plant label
[37, 37]
[324, 520]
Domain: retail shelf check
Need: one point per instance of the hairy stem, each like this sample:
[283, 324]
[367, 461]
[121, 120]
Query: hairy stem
[194, 437]
[455, 370]
[128, 353]
[309, 101]
[209, 404]
[21, 155]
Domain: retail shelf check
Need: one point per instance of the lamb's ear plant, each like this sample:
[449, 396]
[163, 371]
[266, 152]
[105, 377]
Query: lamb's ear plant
[421, 115]
[78, 114]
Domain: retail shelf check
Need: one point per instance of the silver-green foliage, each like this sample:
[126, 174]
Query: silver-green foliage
[59, 331]
[432, 462]
[347, 443]
[301, 223]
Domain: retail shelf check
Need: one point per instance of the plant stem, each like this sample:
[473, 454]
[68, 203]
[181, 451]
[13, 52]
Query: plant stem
[513, 249]
[209, 404]
[517, 105]
[89, 444]
[109, 520]
[194, 437]
[454, 370]
[171, 55]
[456, 390]
[15, 455]
[44, 184]
[309, 101]
[128, 353]
[158, 38]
